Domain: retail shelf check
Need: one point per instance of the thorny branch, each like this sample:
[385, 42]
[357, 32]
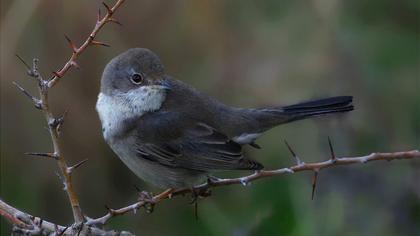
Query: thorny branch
[203, 190]
[54, 123]
[27, 224]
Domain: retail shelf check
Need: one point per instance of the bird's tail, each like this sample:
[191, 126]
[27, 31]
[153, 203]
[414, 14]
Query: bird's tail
[317, 107]
[267, 118]
[250, 123]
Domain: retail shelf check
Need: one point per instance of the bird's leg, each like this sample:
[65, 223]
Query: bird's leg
[197, 193]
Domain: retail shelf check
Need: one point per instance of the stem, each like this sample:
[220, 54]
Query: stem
[299, 167]
[74, 202]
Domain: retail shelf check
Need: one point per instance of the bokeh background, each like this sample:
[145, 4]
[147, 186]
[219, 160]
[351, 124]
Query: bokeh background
[245, 53]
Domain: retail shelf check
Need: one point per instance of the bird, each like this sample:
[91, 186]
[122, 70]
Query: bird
[173, 136]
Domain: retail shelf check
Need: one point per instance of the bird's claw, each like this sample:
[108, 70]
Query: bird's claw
[148, 199]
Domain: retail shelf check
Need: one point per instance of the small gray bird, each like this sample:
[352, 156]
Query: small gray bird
[171, 135]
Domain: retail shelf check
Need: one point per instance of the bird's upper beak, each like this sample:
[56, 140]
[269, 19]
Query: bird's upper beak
[165, 84]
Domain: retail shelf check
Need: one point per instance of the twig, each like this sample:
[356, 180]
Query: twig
[77, 51]
[27, 224]
[54, 124]
[300, 166]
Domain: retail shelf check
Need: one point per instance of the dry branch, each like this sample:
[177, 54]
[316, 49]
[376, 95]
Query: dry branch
[26, 224]
[54, 123]
[29, 224]
[204, 189]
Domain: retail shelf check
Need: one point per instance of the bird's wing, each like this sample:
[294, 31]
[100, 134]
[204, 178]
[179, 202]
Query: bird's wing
[175, 140]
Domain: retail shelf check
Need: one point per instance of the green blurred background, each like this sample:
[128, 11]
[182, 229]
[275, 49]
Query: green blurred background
[245, 53]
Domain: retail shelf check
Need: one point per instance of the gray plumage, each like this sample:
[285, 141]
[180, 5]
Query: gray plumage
[172, 135]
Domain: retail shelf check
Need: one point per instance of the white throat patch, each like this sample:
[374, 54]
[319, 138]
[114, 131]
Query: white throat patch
[116, 109]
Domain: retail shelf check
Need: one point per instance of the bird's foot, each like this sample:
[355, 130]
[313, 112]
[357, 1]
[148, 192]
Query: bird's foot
[148, 199]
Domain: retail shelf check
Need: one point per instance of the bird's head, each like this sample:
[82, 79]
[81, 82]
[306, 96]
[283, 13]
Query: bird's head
[137, 77]
[133, 69]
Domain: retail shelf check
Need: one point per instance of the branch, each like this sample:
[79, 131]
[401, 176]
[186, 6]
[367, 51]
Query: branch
[77, 51]
[204, 189]
[26, 224]
[55, 123]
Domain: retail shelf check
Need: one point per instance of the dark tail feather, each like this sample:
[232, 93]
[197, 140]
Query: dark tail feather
[251, 122]
[318, 107]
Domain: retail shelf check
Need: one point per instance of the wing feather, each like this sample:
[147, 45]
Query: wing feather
[181, 142]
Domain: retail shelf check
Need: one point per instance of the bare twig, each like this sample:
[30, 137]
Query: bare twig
[77, 51]
[27, 224]
[55, 123]
[42, 154]
[300, 166]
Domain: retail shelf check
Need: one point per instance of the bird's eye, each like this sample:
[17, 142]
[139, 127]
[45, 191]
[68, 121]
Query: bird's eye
[136, 78]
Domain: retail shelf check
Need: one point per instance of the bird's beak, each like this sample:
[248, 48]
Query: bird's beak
[164, 84]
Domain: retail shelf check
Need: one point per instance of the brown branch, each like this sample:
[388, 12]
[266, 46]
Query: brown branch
[204, 189]
[29, 225]
[54, 123]
[77, 51]
[26, 224]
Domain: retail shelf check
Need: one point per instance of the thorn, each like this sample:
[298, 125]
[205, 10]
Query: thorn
[298, 161]
[314, 181]
[113, 20]
[36, 101]
[42, 154]
[72, 168]
[74, 64]
[110, 211]
[165, 194]
[99, 15]
[99, 43]
[254, 145]
[33, 72]
[24, 62]
[107, 8]
[60, 122]
[331, 149]
[72, 45]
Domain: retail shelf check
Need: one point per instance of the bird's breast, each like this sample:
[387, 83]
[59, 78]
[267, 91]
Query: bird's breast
[112, 113]
[118, 112]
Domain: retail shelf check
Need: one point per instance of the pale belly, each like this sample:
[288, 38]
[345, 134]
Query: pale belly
[152, 172]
